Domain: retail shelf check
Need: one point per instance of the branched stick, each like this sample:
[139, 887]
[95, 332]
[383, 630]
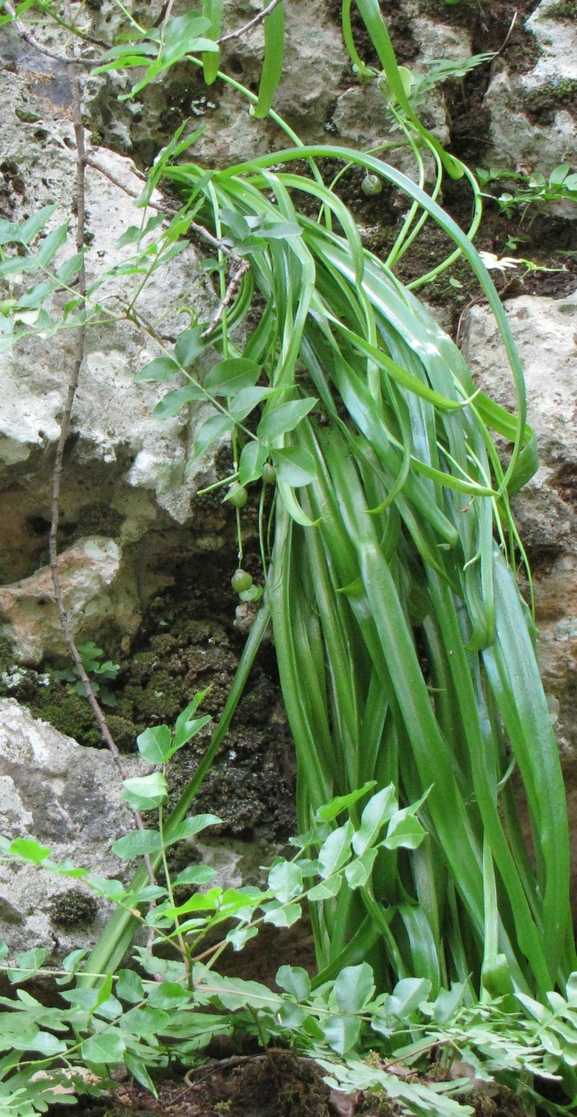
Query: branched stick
[252, 23]
[58, 464]
[32, 41]
[200, 230]
[230, 293]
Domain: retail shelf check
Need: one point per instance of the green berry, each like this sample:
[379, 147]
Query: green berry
[371, 185]
[241, 581]
[268, 474]
[7, 305]
[237, 495]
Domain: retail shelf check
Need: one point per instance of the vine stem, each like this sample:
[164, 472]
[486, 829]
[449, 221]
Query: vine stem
[59, 460]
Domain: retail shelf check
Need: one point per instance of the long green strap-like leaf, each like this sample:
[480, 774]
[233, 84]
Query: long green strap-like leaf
[273, 60]
[212, 10]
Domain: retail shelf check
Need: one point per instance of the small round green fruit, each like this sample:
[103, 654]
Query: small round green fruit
[371, 185]
[241, 581]
[7, 305]
[268, 474]
[237, 495]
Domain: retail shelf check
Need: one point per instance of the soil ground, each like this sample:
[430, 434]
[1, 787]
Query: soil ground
[278, 1084]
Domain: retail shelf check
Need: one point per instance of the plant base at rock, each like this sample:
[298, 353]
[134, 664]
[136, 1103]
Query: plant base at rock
[388, 568]
[405, 1045]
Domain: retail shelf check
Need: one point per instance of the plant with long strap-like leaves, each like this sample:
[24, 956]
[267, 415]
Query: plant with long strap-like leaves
[405, 652]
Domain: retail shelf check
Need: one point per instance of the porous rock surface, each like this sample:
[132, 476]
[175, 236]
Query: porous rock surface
[68, 798]
[533, 115]
[127, 503]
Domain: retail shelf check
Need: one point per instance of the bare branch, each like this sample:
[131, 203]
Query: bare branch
[32, 41]
[164, 208]
[231, 291]
[252, 23]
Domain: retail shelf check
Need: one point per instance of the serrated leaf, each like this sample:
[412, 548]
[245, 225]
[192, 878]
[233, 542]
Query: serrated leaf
[129, 987]
[189, 346]
[35, 224]
[104, 1048]
[16, 264]
[404, 831]
[48, 1045]
[252, 459]
[196, 874]
[36, 296]
[354, 987]
[109, 887]
[145, 792]
[9, 232]
[291, 1016]
[295, 980]
[191, 826]
[286, 881]
[336, 850]
[246, 400]
[29, 850]
[239, 936]
[284, 417]
[407, 995]
[70, 268]
[174, 401]
[49, 247]
[340, 803]
[559, 174]
[232, 376]
[28, 962]
[137, 844]
[155, 744]
[284, 917]
[341, 1033]
[380, 808]
[161, 369]
[326, 889]
[358, 872]
[448, 1001]
[138, 1071]
[295, 465]
[130, 236]
[210, 430]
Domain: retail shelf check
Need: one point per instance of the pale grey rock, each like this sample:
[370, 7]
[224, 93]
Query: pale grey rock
[519, 142]
[93, 589]
[557, 39]
[69, 799]
[439, 40]
[545, 331]
[110, 411]
[124, 469]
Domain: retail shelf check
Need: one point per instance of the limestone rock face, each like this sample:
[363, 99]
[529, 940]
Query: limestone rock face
[546, 333]
[91, 590]
[68, 798]
[530, 125]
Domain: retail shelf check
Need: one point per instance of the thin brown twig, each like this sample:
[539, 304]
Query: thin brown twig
[59, 461]
[252, 23]
[161, 208]
[229, 295]
[32, 41]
